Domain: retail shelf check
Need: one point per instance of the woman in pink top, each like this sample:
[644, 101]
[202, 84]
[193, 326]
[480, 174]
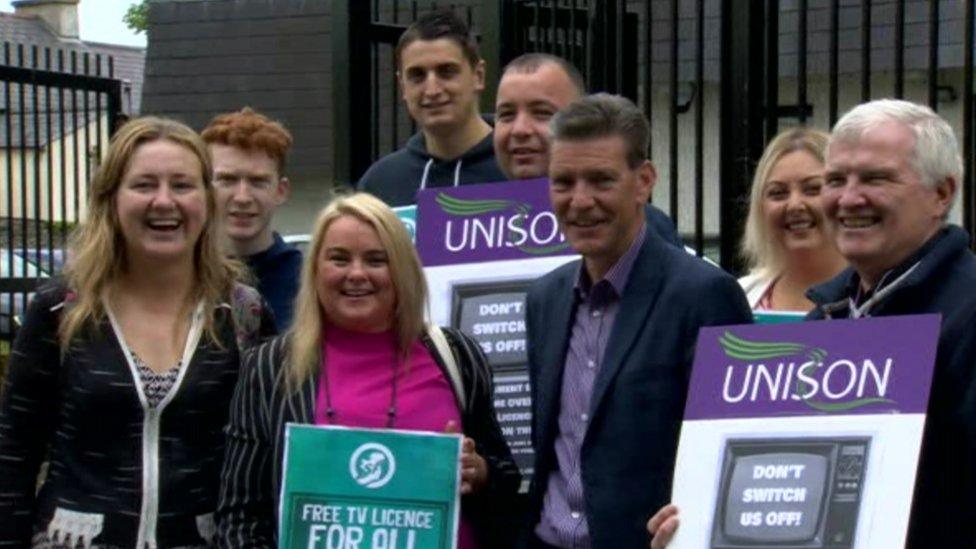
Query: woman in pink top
[360, 355]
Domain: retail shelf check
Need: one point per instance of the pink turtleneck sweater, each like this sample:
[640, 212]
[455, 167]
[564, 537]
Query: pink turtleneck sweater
[360, 369]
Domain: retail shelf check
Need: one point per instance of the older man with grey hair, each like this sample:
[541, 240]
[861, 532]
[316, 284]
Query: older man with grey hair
[893, 168]
[611, 337]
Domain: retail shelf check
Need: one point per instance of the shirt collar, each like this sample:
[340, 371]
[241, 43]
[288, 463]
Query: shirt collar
[618, 274]
[859, 296]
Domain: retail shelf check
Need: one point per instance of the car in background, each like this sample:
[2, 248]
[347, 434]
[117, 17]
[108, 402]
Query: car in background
[28, 267]
[407, 214]
[300, 241]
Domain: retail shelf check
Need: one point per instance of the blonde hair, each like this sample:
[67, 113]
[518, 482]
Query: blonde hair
[409, 284]
[762, 255]
[97, 247]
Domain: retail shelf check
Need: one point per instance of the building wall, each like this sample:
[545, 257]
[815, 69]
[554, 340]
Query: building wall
[209, 57]
[916, 87]
[53, 181]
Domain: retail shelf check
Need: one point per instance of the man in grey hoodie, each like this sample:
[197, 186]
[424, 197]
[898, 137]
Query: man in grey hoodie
[440, 75]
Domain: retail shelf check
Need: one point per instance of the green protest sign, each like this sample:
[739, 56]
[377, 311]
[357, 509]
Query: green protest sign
[368, 489]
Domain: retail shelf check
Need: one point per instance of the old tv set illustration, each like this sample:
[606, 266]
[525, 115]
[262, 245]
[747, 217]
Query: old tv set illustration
[493, 313]
[790, 493]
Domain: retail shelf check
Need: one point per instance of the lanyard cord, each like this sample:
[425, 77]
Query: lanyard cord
[391, 411]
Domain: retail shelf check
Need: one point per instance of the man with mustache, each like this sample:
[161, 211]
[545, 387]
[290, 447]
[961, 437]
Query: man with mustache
[892, 171]
[440, 75]
[248, 151]
[611, 337]
[532, 89]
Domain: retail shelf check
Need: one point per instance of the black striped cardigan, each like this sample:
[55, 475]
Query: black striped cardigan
[111, 479]
[251, 476]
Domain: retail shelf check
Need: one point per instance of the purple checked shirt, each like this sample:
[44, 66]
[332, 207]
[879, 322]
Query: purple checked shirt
[563, 519]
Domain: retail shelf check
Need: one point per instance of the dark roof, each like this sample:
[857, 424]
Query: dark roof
[47, 128]
[22, 36]
[129, 61]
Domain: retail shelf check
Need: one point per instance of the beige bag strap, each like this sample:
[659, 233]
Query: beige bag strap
[447, 357]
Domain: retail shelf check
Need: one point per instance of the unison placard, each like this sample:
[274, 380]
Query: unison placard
[804, 434]
[369, 489]
[482, 245]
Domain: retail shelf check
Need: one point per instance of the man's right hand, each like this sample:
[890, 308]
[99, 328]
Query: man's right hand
[662, 526]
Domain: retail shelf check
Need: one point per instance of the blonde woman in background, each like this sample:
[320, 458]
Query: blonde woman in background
[122, 374]
[787, 243]
[360, 355]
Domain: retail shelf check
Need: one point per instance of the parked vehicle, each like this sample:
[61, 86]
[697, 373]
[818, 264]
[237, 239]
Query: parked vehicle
[29, 266]
[300, 241]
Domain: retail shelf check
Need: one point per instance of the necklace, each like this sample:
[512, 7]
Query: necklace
[391, 410]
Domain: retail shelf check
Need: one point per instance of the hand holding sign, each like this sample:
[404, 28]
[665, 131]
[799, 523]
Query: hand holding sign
[663, 525]
[474, 469]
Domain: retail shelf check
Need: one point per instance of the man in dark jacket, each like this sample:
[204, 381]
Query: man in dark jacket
[248, 151]
[440, 74]
[611, 337]
[892, 171]
[533, 88]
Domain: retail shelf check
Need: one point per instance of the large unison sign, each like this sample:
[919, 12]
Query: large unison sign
[804, 434]
[481, 246]
[491, 222]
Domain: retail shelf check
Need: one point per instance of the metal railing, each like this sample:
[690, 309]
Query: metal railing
[57, 111]
[717, 79]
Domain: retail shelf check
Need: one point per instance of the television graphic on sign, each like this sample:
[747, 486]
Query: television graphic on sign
[494, 315]
[790, 492]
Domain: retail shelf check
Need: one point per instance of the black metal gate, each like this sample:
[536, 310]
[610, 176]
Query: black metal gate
[57, 112]
[599, 37]
[716, 78]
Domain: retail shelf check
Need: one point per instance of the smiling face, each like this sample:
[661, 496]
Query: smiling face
[161, 202]
[881, 209]
[249, 190]
[526, 102]
[598, 198]
[791, 205]
[439, 85]
[353, 281]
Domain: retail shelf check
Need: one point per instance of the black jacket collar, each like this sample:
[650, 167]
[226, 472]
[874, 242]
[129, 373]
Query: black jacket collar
[833, 298]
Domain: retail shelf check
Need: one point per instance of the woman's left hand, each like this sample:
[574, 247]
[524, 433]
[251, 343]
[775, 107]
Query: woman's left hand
[474, 469]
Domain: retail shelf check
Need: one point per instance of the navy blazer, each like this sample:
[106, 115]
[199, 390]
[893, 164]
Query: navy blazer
[628, 452]
[660, 223]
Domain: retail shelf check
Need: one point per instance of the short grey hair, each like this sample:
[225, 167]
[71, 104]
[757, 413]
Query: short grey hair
[936, 155]
[604, 115]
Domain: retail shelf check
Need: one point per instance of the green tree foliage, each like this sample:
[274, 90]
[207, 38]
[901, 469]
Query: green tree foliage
[137, 16]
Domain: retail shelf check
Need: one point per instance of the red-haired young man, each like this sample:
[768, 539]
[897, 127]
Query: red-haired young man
[248, 151]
